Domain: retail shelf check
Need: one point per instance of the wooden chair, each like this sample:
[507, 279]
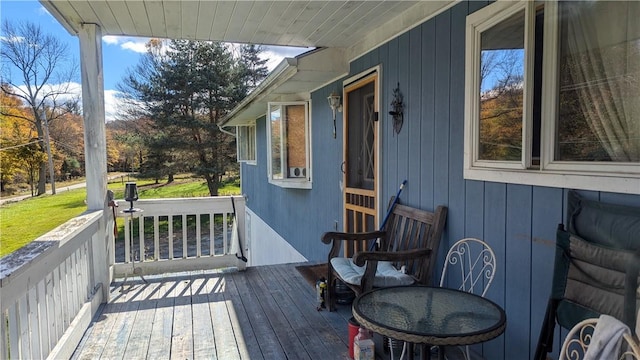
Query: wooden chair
[579, 338]
[403, 256]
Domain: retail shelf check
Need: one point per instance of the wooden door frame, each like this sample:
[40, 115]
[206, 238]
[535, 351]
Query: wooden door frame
[374, 75]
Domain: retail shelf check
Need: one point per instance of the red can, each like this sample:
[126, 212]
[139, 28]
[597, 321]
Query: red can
[353, 331]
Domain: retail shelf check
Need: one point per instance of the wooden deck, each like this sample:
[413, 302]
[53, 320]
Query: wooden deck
[262, 313]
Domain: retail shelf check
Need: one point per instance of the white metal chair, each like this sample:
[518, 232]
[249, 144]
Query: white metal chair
[475, 262]
[579, 338]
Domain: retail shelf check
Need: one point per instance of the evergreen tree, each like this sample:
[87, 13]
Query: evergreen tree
[253, 68]
[186, 87]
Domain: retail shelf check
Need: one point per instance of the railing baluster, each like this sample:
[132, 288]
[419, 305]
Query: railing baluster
[34, 323]
[170, 237]
[64, 294]
[57, 302]
[4, 342]
[198, 236]
[184, 236]
[112, 241]
[73, 283]
[212, 234]
[225, 227]
[156, 237]
[141, 238]
[23, 338]
[51, 310]
[42, 316]
[127, 239]
[85, 273]
[14, 331]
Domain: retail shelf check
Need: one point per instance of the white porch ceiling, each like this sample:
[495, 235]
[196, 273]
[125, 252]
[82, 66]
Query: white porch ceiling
[342, 29]
[286, 23]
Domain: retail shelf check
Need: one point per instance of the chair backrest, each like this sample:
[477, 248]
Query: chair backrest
[475, 263]
[410, 228]
[579, 338]
[595, 267]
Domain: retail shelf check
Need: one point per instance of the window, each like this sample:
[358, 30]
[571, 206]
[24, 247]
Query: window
[246, 143]
[551, 94]
[288, 142]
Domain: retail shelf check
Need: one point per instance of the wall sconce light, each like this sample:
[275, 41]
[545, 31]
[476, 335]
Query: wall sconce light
[334, 103]
[397, 110]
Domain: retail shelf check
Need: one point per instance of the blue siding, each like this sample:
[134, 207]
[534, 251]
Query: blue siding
[517, 270]
[518, 221]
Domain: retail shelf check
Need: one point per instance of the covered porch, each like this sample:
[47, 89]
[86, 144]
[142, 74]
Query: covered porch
[49, 298]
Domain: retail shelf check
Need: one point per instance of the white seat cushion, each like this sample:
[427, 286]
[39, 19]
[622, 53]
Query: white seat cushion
[386, 274]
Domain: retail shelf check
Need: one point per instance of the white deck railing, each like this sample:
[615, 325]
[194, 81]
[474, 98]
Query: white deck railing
[184, 234]
[51, 288]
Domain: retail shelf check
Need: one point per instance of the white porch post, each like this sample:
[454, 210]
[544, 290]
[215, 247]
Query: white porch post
[95, 143]
[95, 148]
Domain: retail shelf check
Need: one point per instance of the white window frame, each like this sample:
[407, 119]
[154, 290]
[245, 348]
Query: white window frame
[246, 138]
[288, 182]
[598, 176]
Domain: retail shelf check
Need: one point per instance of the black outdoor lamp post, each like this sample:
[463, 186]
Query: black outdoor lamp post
[130, 195]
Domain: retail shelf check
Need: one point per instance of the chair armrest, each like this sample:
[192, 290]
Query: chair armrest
[336, 238]
[329, 237]
[362, 257]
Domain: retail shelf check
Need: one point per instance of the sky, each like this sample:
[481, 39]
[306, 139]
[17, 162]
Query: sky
[119, 53]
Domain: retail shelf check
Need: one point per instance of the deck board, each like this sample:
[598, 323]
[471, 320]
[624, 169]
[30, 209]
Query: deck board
[159, 348]
[204, 345]
[182, 334]
[138, 343]
[262, 313]
[284, 329]
[246, 340]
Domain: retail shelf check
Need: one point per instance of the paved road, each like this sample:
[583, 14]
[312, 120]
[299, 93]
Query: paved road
[59, 189]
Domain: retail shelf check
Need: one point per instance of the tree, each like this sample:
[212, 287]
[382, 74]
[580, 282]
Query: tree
[501, 104]
[186, 87]
[15, 133]
[125, 137]
[67, 136]
[31, 156]
[252, 67]
[41, 63]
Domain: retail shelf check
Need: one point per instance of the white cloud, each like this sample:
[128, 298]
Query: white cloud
[111, 40]
[73, 90]
[137, 45]
[275, 54]
[12, 39]
[111, 105]
[66, 91]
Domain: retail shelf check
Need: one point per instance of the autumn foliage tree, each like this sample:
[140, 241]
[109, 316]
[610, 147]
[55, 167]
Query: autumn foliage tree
[18, 142]
[67, 135]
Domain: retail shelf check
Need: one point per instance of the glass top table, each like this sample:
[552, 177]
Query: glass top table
[429, 315]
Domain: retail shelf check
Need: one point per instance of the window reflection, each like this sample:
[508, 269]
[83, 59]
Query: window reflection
[501, 90]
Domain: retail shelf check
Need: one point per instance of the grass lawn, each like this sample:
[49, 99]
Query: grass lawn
[22, 222]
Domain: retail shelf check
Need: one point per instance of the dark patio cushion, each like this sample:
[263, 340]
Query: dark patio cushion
[612, 225]
[595, 281]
